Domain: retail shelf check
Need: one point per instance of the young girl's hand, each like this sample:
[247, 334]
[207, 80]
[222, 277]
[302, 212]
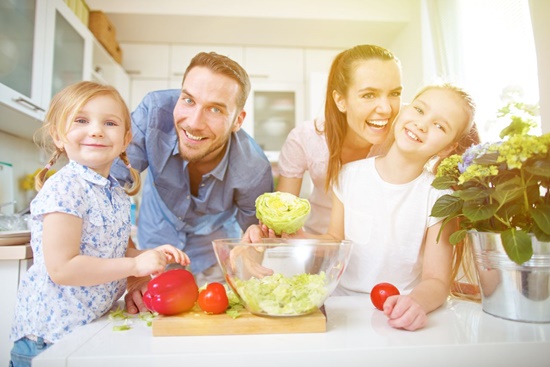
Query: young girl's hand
[174, 255]
[404, 313]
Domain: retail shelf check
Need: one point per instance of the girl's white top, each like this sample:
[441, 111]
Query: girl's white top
[387, 224]
[49, 310]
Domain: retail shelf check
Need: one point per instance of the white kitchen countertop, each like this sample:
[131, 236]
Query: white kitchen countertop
[458, 334]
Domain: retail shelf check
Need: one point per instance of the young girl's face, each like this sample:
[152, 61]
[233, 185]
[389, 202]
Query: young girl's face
[97, 134]
[373, 99]
[431, 123]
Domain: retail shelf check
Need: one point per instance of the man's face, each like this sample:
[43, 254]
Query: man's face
[206, 114]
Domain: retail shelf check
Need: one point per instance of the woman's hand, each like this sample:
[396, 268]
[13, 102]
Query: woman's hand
[404, 312]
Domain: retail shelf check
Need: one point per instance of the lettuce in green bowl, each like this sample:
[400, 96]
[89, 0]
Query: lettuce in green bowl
[282, 211]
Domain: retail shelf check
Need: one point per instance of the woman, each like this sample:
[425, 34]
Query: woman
[363, 97]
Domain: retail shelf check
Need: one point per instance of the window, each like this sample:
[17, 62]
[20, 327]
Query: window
[486, 46]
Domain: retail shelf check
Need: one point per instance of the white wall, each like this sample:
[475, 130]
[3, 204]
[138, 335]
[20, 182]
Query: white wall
[24, 155]
[407, 47]
[540, 17]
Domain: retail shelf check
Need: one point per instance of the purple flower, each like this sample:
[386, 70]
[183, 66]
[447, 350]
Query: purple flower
[473, 152]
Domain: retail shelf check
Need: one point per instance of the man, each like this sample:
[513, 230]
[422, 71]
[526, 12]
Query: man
[204, 173]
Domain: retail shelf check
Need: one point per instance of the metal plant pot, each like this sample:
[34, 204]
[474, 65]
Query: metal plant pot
[508, 290]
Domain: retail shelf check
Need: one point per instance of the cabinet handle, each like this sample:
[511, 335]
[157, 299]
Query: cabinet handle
[28, 104]
[259, 76]
[133, 72]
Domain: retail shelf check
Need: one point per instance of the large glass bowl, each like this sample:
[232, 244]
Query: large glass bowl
[282, 277]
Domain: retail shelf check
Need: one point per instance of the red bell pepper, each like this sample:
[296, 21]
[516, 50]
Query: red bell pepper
[172, 292]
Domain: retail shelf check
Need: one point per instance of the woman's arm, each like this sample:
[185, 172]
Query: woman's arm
[290, 185]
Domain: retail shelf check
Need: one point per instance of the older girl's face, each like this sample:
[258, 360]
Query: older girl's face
[372, 101]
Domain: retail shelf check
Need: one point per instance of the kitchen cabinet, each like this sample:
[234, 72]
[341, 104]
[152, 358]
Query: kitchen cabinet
[22, 47]
[14, 262]
[70, 52]
[181, 55]
[107, 71]
[274, 64]
[146, 61]
[273, 109]
[317, 63]
[47, 48]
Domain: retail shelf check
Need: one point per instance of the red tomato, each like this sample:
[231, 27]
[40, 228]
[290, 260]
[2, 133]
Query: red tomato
[381, 292]
[213, 299]
[172, 292]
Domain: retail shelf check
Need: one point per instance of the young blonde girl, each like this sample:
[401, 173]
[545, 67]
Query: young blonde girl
[80, 223]
[383, 205]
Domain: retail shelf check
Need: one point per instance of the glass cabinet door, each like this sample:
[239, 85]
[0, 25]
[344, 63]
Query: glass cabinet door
[274, 117]
[16, 44]
[68, 55]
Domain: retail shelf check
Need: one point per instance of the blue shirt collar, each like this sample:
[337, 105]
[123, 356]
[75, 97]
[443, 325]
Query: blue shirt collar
[92, 176]
[221, 168]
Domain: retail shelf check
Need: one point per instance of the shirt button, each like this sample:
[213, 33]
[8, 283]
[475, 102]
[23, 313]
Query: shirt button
[202, 185]
[188, 197]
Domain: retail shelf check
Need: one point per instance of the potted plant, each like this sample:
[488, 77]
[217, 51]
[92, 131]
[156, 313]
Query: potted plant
[502, 189]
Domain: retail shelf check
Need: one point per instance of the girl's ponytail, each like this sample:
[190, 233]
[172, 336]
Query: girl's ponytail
[40, 177]
[136, 178]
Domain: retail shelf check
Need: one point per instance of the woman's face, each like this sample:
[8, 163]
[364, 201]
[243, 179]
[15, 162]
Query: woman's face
[372, 100]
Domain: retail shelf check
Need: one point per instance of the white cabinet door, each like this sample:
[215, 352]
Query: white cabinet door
[139, 88]
[107, 71]
[181, 55]
[274, 64]
[316, 68]
[143, 60]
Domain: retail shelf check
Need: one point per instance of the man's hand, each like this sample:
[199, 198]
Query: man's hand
[134, 297]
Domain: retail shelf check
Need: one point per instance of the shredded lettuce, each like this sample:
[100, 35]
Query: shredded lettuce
[282, 211]
[279, 295]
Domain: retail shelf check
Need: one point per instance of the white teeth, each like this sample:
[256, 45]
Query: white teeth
[377, 123]
[193, 137]
[411, 135]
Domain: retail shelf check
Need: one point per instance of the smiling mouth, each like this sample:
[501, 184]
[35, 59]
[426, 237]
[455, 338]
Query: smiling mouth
[412, 135]
[377, 124]
[192, 137]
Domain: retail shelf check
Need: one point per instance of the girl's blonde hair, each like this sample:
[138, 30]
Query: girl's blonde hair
[60, 116]
[339, 80]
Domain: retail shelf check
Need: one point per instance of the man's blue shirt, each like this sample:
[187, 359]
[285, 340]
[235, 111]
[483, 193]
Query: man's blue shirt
[168, 212]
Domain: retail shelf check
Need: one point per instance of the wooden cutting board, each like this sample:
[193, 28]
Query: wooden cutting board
[199, 323]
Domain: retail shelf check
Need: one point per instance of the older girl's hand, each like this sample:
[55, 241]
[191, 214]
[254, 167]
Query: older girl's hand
[404, 312]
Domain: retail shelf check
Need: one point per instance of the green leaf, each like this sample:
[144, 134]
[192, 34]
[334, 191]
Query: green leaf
[508, 191]
[458, 236]
[541, 216]
[539, 168]
[443, 183]
[446, 205]
[487, 159]
[478, 210]
[474, 193]
[517, 245]
[541, 236]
